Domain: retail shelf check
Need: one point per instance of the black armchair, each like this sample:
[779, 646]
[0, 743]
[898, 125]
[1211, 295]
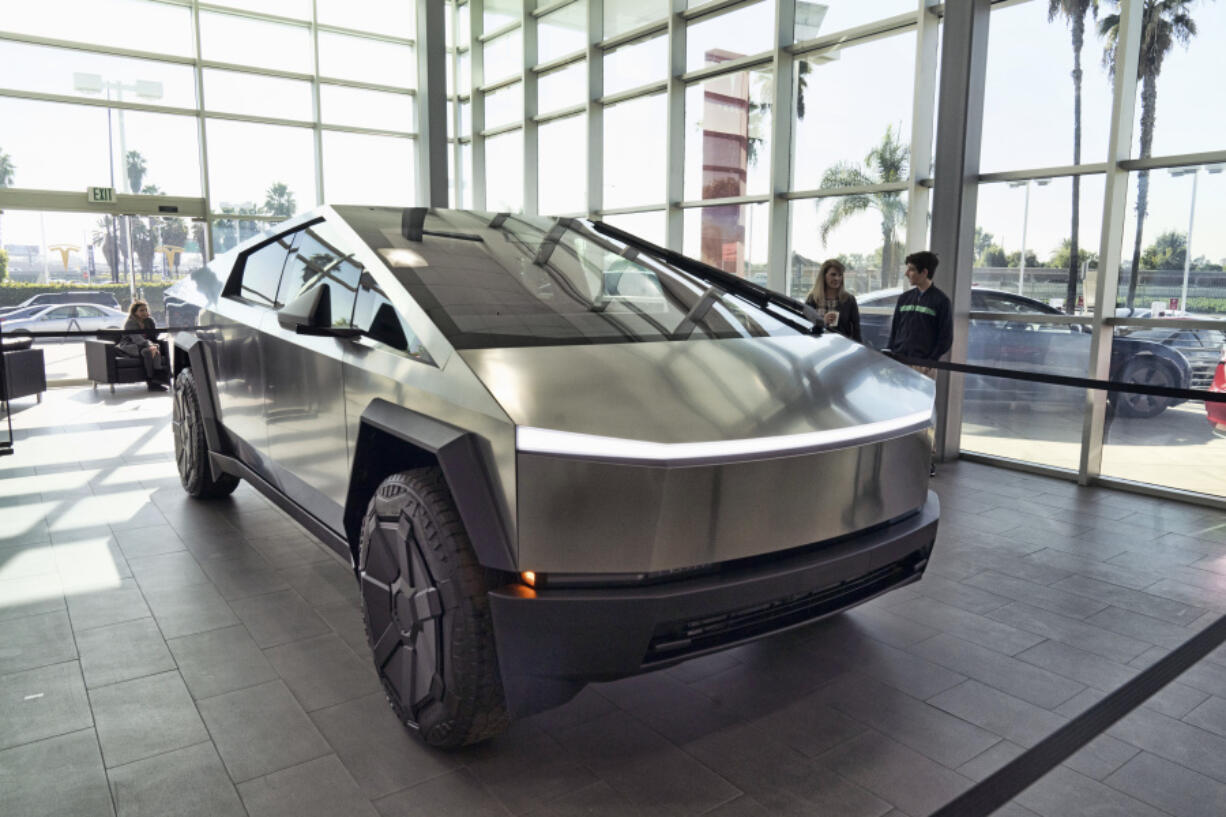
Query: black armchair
[24, 372]
[104, 363]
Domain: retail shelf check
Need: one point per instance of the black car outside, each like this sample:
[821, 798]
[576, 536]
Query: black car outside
[1052, 348]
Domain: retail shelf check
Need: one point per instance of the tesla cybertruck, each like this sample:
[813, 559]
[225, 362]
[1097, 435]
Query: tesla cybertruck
[553, 453]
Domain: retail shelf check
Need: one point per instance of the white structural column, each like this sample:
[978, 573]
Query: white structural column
[532, 174]
[207, 250]
[1115, 198]
[955, 190]
[923, 115]
[675, 185]
[431, 48]
[316, 127]
[778, 266]
[476, 25]
[595, 110]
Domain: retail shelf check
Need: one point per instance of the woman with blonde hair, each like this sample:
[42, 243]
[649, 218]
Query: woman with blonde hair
[837, 306]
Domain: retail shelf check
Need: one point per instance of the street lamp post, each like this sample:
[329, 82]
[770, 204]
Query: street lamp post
[145, 89]
[1194, 172]
[1021, 268]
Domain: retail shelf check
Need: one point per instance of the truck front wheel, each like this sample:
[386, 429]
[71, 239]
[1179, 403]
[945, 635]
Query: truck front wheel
[426, 612]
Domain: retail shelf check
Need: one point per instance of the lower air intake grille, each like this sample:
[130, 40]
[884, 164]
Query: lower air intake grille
[679, 638]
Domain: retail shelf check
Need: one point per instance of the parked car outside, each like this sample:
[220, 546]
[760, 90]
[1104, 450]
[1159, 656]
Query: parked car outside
[45, 298]
[1217, 411]
[1200, 346]
[84, 317]
[1055, 348]
[551, 455]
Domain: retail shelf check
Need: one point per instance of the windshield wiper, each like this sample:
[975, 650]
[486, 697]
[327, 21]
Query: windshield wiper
[760, 296]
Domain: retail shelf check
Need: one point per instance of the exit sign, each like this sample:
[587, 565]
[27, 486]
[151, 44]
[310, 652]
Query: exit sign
[100, 195]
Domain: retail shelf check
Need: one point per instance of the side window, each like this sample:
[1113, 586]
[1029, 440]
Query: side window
[318, 260]
[375, 315]
[88, 311]
[60, 313]
[262, 271]
[1000, 303]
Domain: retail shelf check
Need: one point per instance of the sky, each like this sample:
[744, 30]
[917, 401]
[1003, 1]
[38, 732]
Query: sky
[850, 102]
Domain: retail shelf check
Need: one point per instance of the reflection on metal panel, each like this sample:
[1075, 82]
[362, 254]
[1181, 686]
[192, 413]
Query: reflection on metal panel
[701, 392]
[590, 517]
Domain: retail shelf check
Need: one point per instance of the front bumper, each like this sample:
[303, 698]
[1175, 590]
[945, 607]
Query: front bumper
[552, 641]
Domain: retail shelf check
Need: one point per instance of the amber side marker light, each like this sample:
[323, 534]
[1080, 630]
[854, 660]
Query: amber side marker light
[529, 578]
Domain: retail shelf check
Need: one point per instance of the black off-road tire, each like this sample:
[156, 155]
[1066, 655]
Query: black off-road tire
[1150, 371]
[427, 615]
[191, 446]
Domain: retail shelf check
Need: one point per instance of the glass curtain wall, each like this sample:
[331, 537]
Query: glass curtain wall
[262, 109]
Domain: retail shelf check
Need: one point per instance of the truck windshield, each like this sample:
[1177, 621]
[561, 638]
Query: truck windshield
[498, 280]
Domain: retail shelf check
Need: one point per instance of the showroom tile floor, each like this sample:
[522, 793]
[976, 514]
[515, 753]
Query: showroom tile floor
[161, 656]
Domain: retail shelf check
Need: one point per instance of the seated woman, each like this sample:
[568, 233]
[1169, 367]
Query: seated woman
[140, 340]
[838, 306]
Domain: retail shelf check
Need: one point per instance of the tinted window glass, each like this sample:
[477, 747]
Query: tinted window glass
[502, 280]
[262, 271]
[317, 260]
[375, 315]
[61, 312]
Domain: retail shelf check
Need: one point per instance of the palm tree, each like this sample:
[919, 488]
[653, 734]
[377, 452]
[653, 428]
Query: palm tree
[1163, 22]
[7, 171]
[135, 165]
[887, 162]
[1075, 11]
[279, 200]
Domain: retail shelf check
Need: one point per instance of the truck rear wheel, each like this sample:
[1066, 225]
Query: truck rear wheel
[191, 446]
[426, 612]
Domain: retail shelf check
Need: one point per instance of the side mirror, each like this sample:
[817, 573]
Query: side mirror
[312, 309]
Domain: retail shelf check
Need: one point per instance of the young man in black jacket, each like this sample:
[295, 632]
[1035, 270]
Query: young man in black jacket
[923, 327]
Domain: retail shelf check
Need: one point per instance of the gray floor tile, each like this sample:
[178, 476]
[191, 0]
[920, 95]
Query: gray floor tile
[746, 806]
[1207, 677]
[88, 562]
[967, 626]
[35, 641]
[25, 560]
[323, 671]
[996, 757]
[1176, 700]
[260, 730]
[168, 571]
[121, 652]
[1179, 742]
[153, 541]
[57, 776]
[317, 788]
[1071, 631]
[189, 782]
[1063, 792]
[1020, 722]
[246, 575]
[588, 705]
[921, 726]
[455, 794]
[598, 800]
[104, 607]
[289, 550]
[1101, 756]
[31, 596]
[964, 596]
[278, 618]
[902, 670]
[346, 621]
[1135, 600]
[896, 774]
[887, 627]
[1170, 787]
[668, 706]
[41, 703]
[1141, 627]
[1009, 675]
[782, 780]
[325, 583]
[524, 767]
[188, 610]
[145, 717]
[377, 749]
[1036, 595]
[220, 661]
[1210, 715]
[1091, 670]
[1094, 569]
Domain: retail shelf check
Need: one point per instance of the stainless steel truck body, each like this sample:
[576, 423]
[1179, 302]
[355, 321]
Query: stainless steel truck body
[552, 453]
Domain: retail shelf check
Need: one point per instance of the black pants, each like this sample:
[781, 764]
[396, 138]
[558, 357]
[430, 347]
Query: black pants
[155, 366]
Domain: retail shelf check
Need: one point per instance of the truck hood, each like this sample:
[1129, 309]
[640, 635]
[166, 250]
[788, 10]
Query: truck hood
[667, 400]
